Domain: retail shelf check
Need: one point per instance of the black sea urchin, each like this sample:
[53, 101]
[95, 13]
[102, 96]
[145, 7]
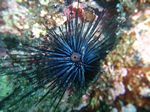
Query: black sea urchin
[67, 57]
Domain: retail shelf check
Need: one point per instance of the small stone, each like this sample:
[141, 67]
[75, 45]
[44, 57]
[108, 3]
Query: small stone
[44, 2]
[124, 72]
[145, 92]
[59, 19]
[114, 110]
[129, 108]
[43, 13]
[37, 30]
[61, 1]
[89, 16]
[85, 99]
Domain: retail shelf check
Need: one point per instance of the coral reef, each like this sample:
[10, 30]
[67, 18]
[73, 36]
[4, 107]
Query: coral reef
[123, 83]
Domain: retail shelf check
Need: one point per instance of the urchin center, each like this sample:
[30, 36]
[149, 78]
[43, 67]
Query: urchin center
[75, 57]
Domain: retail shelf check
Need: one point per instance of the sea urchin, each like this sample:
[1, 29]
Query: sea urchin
[67, 56]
